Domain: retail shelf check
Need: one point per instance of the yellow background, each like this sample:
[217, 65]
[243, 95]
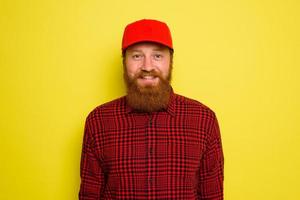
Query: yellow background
[61, 58]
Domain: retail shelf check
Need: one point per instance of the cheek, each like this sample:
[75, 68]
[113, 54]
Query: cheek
[165, 68]
[131, 69]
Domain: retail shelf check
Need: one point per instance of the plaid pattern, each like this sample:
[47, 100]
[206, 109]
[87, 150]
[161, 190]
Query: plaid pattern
[171, 154]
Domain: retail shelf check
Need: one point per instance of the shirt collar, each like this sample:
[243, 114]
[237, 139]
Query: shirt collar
[170, 109]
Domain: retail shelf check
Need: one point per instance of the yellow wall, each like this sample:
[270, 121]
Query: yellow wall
[61, 58]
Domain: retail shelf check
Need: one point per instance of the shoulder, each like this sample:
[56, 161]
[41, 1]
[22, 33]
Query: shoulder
[192, 106]
[110, 108]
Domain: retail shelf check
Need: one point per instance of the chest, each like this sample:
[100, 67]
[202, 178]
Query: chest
[161, 140]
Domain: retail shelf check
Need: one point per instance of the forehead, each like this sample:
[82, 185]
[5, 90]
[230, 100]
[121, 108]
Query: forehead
[147, 46]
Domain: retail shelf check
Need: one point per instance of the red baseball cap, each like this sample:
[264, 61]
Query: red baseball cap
[147, 30]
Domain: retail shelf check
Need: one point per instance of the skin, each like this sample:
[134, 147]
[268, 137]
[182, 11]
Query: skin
[147, 57]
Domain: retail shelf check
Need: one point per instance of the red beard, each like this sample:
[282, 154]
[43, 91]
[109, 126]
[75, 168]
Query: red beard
[148, 98]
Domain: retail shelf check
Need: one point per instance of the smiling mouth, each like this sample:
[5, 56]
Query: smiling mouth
[148, 80]
[147, 77]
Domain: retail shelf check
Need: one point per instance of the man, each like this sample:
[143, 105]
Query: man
[151, 143]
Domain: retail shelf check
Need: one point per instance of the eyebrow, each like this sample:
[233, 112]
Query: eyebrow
[134, 50]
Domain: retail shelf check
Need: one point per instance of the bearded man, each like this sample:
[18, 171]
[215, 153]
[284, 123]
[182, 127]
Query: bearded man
[151, 143]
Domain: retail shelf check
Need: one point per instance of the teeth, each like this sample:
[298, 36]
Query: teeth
[148, 77]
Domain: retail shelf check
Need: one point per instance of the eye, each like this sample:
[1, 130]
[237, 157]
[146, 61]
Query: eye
[136, 56]
[157, 56]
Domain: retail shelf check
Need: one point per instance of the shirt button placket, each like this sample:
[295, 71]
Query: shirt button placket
[149, 154]
[150, 120]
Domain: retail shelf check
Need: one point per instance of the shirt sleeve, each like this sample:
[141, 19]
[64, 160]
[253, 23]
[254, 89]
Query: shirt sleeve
[91, 173]
[211, 171]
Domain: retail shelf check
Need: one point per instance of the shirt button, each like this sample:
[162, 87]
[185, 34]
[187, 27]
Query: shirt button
[150, 180]
[150, 150]
[150, 120]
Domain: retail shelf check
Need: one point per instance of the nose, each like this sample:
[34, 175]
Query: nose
[147, 64]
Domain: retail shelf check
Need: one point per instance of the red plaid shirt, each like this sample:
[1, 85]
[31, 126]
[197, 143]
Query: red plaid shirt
[171, 154]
